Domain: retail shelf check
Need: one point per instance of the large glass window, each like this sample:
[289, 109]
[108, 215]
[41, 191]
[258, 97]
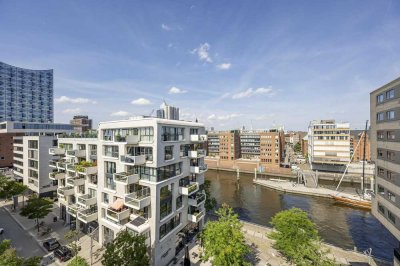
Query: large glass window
[390, 115]
[390, 94]
[170, 225]
[110, 169]
[172, 133]
[146, 134]
[33, 144]
[380, 116]
[165, 201]
[380, 98]
[111, 151]
[169, 153]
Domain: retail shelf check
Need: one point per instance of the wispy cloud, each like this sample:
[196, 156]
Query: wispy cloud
[175, 90]
[66, 99]
[72, 111]
[120, 113]
[224, 66]
[223, 117]
[251, 92]
[141, 101]
[203, 52]
[166, 27]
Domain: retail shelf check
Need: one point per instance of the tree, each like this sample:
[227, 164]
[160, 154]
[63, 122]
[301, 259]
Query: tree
[9, 257]
[127, 249]
[223, 240]
[298, 239]
[78, 261]
[211, 202]
[37, 208]
[73, 236]
[297, 147]
[9, 188]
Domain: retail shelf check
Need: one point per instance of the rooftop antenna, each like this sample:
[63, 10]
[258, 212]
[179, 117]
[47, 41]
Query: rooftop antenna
[151, 113]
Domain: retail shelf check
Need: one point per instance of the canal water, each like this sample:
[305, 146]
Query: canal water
[339, 225]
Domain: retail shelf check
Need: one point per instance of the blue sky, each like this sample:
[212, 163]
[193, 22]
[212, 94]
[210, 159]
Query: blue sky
[228, 63]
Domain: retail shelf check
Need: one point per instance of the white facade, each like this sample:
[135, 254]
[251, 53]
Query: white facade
[328, 145]
[150, 175]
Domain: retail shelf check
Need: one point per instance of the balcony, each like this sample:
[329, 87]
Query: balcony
[71, 167]
[86, 170]
[87, 200]
[195, 217]
[88, 215]
[76, 153]
[56, 175]
[61, 165]
[189, 188]
[133, 159]
[73, 209]
[93, 155]
[117, 215]
[198, 169]
[132, 139]
[138, 199]
[196, 154]
[198, 138]
[197, 199]
[56, 151]
[53, 163]
[66, 191]
[76, 181]
[138, 224]
[126, 178]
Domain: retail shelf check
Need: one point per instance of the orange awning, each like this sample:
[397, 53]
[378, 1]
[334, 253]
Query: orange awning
[117, 205]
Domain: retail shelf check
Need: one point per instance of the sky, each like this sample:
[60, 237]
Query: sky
[230, 64]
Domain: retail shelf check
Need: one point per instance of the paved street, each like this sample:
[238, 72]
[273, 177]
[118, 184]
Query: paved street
[20, 239]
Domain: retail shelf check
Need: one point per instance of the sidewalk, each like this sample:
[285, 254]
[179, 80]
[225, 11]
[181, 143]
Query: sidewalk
[58, 230]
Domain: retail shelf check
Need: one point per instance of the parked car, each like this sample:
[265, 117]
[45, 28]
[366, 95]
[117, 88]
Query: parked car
[1, 231]
[63, 253]
[51, 244]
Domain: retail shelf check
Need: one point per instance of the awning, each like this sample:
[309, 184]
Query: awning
[117, 205]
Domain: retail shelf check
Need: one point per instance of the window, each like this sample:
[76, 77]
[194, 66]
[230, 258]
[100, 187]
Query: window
[389, 175]
[381, 209]
[381, 135]
[172, 133]
[33, 144]
[179, 201]
[380, 98]
[381, 190]
[170, 225]
[146, 134]
[111, 151]
[106, 198]
[381, 171]
[391, 217]
[391, 135]
[169, 153]
[391, 156]
[391, 196]
[380, 153]
[380, 116]
[390, 115]
[165, 201]
[390, 94]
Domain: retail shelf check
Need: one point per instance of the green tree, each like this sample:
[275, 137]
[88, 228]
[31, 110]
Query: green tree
[78, 261]
[298, 239]
[223, 240]
[9, 188]
[126, 250]
[297, 147]
[211, 202]
[73, 236]
[9, 257]
[37, 208]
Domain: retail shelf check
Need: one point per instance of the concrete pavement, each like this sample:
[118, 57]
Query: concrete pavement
[21, 240]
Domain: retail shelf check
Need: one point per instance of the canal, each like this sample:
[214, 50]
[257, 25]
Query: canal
[341, 226]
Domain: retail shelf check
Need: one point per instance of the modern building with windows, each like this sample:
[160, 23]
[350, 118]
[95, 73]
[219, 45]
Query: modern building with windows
[328, 145]
[29, 151]
[81, 123]
[26, 95]
[385, 152]
[148, 179]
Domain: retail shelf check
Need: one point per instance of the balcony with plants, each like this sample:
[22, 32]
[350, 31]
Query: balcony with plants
[197, 199]
[66, 191]
[57, 175]
[118, 214]
[187, 187]
[86, 168]
[195, 214]
[76, 181]
[88, 215]
[76, 153]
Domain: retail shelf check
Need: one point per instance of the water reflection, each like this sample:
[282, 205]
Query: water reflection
[339, 225]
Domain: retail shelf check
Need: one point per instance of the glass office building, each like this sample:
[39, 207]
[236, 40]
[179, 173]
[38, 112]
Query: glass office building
[26, 95]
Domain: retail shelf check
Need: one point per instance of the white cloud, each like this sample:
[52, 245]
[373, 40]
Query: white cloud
[166, 27]
[72, 111]
[175, 90]
[120, 113]
[141, 101]
[251, 92]
[223, 117]
[224, 66]
[202, 52]
[66, 99]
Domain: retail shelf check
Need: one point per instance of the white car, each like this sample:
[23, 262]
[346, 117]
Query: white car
[1, 231]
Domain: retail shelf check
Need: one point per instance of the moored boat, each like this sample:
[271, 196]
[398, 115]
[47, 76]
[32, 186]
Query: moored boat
[354, 202]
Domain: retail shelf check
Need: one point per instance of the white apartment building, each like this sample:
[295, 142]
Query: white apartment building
[150, 176]
[30, 153]
[75, 169]
[328, 145]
